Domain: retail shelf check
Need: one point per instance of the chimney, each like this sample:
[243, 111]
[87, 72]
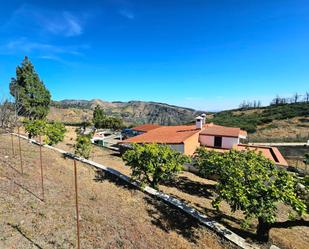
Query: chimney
[199, 122]
[204, 118]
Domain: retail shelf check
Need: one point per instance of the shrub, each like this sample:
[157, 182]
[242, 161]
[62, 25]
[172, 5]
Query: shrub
[83, 146]
[54, 133]
[152, 163]
[35, 127]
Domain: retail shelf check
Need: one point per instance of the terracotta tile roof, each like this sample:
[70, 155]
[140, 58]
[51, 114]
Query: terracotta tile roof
[145, 127]
[271, 153]
[165, 135]
[218, 130]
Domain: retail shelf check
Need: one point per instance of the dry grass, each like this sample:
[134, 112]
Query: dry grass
[283, 130]
[113, 215]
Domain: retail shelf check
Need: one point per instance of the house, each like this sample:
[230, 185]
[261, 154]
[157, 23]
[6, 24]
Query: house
[187, 138]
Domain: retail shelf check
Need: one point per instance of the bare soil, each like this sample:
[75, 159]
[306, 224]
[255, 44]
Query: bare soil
[113, 214]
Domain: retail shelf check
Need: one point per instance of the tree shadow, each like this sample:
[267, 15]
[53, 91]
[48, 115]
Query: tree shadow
[290, 223]
[17, 228]
[230, 222]
[170, 218]
[102, 175]
[188, 186]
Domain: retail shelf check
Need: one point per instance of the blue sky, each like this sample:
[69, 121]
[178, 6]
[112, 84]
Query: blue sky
[205, 54]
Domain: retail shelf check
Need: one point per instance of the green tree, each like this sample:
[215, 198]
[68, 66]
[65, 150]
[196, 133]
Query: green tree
[31, 96]
[253, 184]
[98, 116]
[208, 162]
[152, 163]
[100, 120]
[35, 127]
[54, 133]
[83, 146]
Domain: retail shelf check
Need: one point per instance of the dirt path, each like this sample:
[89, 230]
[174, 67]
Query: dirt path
[113, 215]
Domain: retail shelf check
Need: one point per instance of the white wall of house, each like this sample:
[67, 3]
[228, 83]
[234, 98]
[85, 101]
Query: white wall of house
[227, 142]
[177, 147]
[207, 140]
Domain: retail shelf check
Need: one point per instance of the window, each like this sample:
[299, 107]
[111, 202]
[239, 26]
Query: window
[218, 142]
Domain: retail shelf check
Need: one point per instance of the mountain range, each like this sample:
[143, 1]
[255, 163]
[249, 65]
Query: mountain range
[131, 112]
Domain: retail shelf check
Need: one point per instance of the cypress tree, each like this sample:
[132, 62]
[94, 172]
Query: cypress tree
[32, 98]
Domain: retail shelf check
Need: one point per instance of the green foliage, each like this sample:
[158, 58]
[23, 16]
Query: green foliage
[54, 133]
[83, 146]
[250, 121]
[251, 183]
[100, 120]
[98, 115]
[208, 161]
[31, 96]
[35, 127]
[153, 163]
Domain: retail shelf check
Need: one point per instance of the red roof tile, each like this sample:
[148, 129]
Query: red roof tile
[145, 127]
[218, 130]
[271, 153]
[165, 135]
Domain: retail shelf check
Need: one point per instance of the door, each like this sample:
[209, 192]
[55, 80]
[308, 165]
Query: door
[218, 142]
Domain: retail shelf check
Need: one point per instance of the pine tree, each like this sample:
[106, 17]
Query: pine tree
[30, 93]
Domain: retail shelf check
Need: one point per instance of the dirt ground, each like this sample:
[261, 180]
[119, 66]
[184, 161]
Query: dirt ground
[199, 193]
[113, 214]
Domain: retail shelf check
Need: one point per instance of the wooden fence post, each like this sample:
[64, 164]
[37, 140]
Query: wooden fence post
[20, 156]
[41, 164]
[76, 205]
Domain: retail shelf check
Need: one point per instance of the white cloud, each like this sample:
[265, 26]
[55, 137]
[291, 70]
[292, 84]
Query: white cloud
[65, 24]
[42, 50]
[36, 19]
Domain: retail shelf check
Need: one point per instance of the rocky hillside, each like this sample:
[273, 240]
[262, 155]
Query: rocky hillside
[132, 112]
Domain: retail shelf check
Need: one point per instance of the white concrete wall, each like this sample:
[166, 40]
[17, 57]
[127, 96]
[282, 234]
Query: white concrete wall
[228, 142]
[177, 147]
[207, 140]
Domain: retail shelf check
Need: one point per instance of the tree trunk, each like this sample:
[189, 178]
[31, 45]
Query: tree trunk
[263, 230]
[154, 184]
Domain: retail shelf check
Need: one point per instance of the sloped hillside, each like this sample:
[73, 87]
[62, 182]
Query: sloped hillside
[285, 122]
[132, 112]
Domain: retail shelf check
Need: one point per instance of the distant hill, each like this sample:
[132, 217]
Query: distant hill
[282, 122]
[132, 112]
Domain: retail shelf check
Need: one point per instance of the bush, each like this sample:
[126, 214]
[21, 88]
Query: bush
[54, 133]
[35, 127]
[153, 163]
[83, 146]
